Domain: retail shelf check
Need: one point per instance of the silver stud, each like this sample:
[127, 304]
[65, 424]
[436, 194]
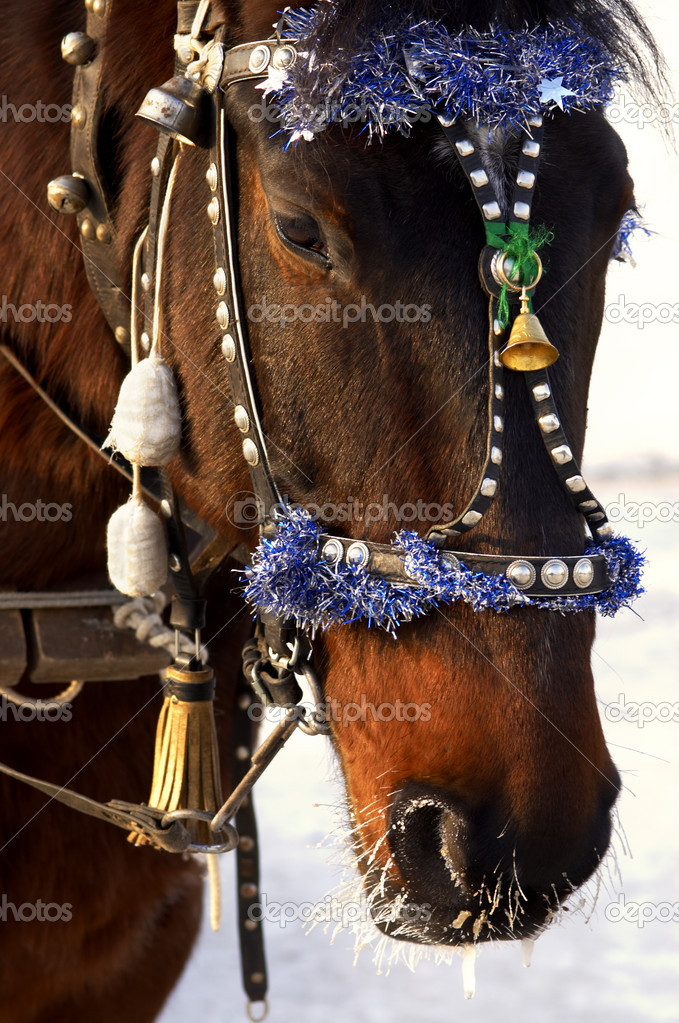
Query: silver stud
[122, 335]
[284, 57]
[241, 418]
[491, 211]
[333, 551]
[562, 454]
[496, 358]
[246, 843]
[103, 234]
[213, 210]
[522, 211]
[155, 166]
[98, 7]
[174, 563]
[575, 484]
[248, 890]
[554, 574]
[228, 348]
[222, 315]
[596, 517]
[488, 487]
[499, 392]
[145, 282]
[87, 230]
[166, 508]
[219, 280]
[211, 176]
[530, 148]
[498, 424]
[358, 555]
[525, 179]
[242, 753]
[588, 506]
[464, 147]
[496, 456]
[605, 531]
[145, 341]
[541, 392]
[450, 561]
[521, 574]
[250, 452]
[478, 178]
[471, 518]
[259, 59]
[249, 925]
[535, 121]
[497, 330]
[549, 423]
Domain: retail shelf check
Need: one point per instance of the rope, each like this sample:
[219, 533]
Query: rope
[142, 615]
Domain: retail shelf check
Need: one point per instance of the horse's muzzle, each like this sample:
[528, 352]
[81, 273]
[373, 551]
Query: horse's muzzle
[476, 876]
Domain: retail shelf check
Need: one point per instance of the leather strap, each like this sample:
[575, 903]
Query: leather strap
[99, 239]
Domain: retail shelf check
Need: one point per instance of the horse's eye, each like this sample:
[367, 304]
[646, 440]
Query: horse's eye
[301, 233]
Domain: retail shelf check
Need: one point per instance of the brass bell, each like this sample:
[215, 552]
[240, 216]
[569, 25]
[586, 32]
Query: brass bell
[68, 194]
[179, 109]
[77, 48]
[528, 347]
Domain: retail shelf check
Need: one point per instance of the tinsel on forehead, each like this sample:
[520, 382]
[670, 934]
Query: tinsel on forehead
[290, 578]
[496, 77]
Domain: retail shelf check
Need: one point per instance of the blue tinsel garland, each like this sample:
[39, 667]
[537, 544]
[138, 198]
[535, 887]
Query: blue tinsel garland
[290, 578]
[631, 222]
[496, 77]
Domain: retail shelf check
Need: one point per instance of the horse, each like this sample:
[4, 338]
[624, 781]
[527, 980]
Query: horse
[492, 804]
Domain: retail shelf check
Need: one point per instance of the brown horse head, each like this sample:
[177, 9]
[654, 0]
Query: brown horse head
[478, 781]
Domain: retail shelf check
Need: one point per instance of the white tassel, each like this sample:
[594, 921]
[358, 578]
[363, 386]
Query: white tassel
[146, 425]
[137, 552]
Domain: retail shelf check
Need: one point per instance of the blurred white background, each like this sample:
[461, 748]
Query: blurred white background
[596, 970]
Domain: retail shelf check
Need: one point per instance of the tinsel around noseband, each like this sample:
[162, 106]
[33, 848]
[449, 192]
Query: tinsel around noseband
[497, 78]
[290, 578]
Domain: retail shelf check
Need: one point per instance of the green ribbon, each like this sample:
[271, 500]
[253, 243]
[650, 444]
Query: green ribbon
[519, 242]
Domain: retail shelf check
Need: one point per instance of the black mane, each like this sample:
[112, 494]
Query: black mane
[614, 24]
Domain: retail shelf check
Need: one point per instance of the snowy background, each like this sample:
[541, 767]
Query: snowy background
[590, 969]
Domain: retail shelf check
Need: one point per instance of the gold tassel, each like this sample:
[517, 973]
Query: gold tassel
[186, 762]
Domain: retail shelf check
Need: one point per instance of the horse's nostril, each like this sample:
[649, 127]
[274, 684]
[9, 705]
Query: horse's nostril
[427, 838]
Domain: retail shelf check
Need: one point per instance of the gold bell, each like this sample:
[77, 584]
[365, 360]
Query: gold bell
[528, 347]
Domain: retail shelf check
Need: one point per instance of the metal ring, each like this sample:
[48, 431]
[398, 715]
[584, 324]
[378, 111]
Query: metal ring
[265, 1010]
[501, 276]
[203, 815]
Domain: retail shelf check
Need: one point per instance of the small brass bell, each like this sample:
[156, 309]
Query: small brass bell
[528, 347]
[179, 109]
[68, 193]
[78, 48]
